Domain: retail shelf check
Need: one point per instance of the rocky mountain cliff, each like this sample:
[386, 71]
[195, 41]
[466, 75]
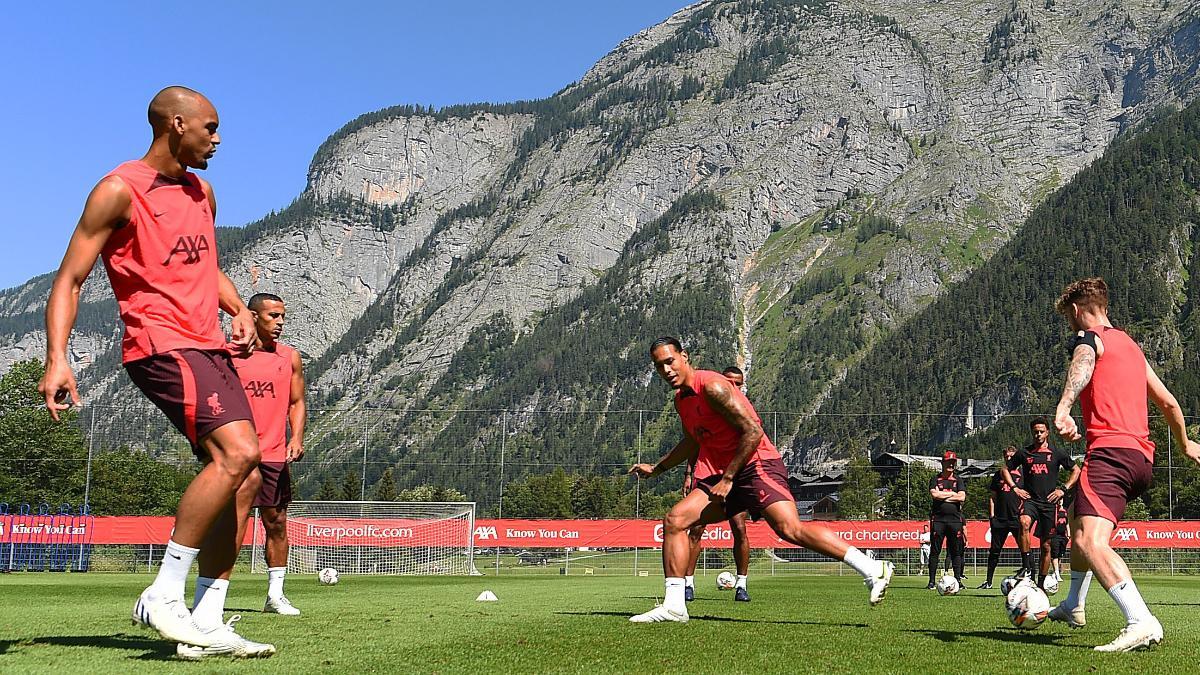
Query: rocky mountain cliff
[743, 160]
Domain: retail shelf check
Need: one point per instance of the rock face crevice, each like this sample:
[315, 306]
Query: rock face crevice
[890, 150]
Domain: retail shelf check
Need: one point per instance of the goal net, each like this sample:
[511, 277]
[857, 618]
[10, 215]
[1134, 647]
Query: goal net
[376, 538]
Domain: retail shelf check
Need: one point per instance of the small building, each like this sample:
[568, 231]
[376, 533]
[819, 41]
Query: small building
[825, 508]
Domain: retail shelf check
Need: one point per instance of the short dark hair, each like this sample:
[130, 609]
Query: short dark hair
[1039, 420]
[733, 370]
[257, 300]
[663, 342]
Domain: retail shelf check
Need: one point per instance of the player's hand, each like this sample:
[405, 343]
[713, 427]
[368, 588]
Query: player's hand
[58, 387]
[242, 332]
[295, 450]
[642, 470]
[721, 489]
[1022, 492]
[1193, 451]
[1065, 424]
[1056, 495]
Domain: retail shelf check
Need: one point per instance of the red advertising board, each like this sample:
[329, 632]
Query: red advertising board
[548, 533]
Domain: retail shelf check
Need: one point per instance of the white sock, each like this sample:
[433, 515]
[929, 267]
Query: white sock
[275, 582]
[1127, 597]
[673, 600]
[689, 581]
[172, 574]
[1077, 596]
[741, 581]
[209, 610]
[869, 568]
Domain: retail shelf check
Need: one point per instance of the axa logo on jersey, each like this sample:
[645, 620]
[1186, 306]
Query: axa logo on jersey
[191, 247]
[260, 388]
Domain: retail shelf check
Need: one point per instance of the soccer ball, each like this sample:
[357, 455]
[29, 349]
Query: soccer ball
[948, 585]
[726, 581]
[1007, 584]
[1027, 606]
[1050, 585]
[328, 576]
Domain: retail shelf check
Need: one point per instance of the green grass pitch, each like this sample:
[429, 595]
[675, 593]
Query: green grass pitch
[795, 624]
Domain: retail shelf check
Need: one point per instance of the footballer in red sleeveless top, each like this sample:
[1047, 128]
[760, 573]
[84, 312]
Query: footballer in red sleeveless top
[162, 265]
[1112, 379]
[151, 222]
[717, 438]
[1119, 464]
[738, 470]
[737, 522]
[273, 378]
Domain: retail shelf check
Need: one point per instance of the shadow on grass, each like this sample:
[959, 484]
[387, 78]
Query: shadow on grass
[153, 649]
[729, 619]
[1174, 604]
[1021, 637]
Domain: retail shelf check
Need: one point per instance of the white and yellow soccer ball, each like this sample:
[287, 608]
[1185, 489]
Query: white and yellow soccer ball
[948, 585]
[1027, 606]
[328, 576]
[1050, 585]
[726, 581]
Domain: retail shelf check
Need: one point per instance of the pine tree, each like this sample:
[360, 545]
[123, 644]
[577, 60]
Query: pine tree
[329, 491]
[351, 488]
[385, 489]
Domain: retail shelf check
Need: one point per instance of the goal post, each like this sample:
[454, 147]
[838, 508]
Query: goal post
[376, 538]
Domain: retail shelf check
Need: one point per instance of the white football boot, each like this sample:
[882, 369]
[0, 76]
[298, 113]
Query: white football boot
[1141, 635]
[660, 614]
[170, 617]
[280, 605]
[1072, 617]
[879, 585]
[224, 641]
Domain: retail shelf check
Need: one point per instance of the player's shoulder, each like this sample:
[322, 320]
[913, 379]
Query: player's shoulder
[290, 353]
[111, 189]
[715, 385]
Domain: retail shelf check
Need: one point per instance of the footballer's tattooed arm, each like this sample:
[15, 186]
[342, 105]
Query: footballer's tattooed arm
[719, 394]
[1083, 364]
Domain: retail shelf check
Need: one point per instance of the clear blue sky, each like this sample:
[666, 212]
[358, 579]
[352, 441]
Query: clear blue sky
[284, 75]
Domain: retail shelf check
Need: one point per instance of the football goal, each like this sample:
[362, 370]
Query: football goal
[376, 538]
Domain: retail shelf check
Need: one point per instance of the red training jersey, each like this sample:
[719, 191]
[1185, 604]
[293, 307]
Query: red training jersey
[1114, 402]
[267, 378]
[162, 265]
[717, 438]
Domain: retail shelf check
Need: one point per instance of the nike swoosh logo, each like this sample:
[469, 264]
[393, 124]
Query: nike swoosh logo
[156, 215]
[175, 556]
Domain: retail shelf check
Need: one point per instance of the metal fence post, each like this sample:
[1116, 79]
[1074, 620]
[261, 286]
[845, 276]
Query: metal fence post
[637, 491]
[500, 502]
[1170, 482]
[908, 465]
[254, 547]
[637, 487]
[362, 490]
[87, 482]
